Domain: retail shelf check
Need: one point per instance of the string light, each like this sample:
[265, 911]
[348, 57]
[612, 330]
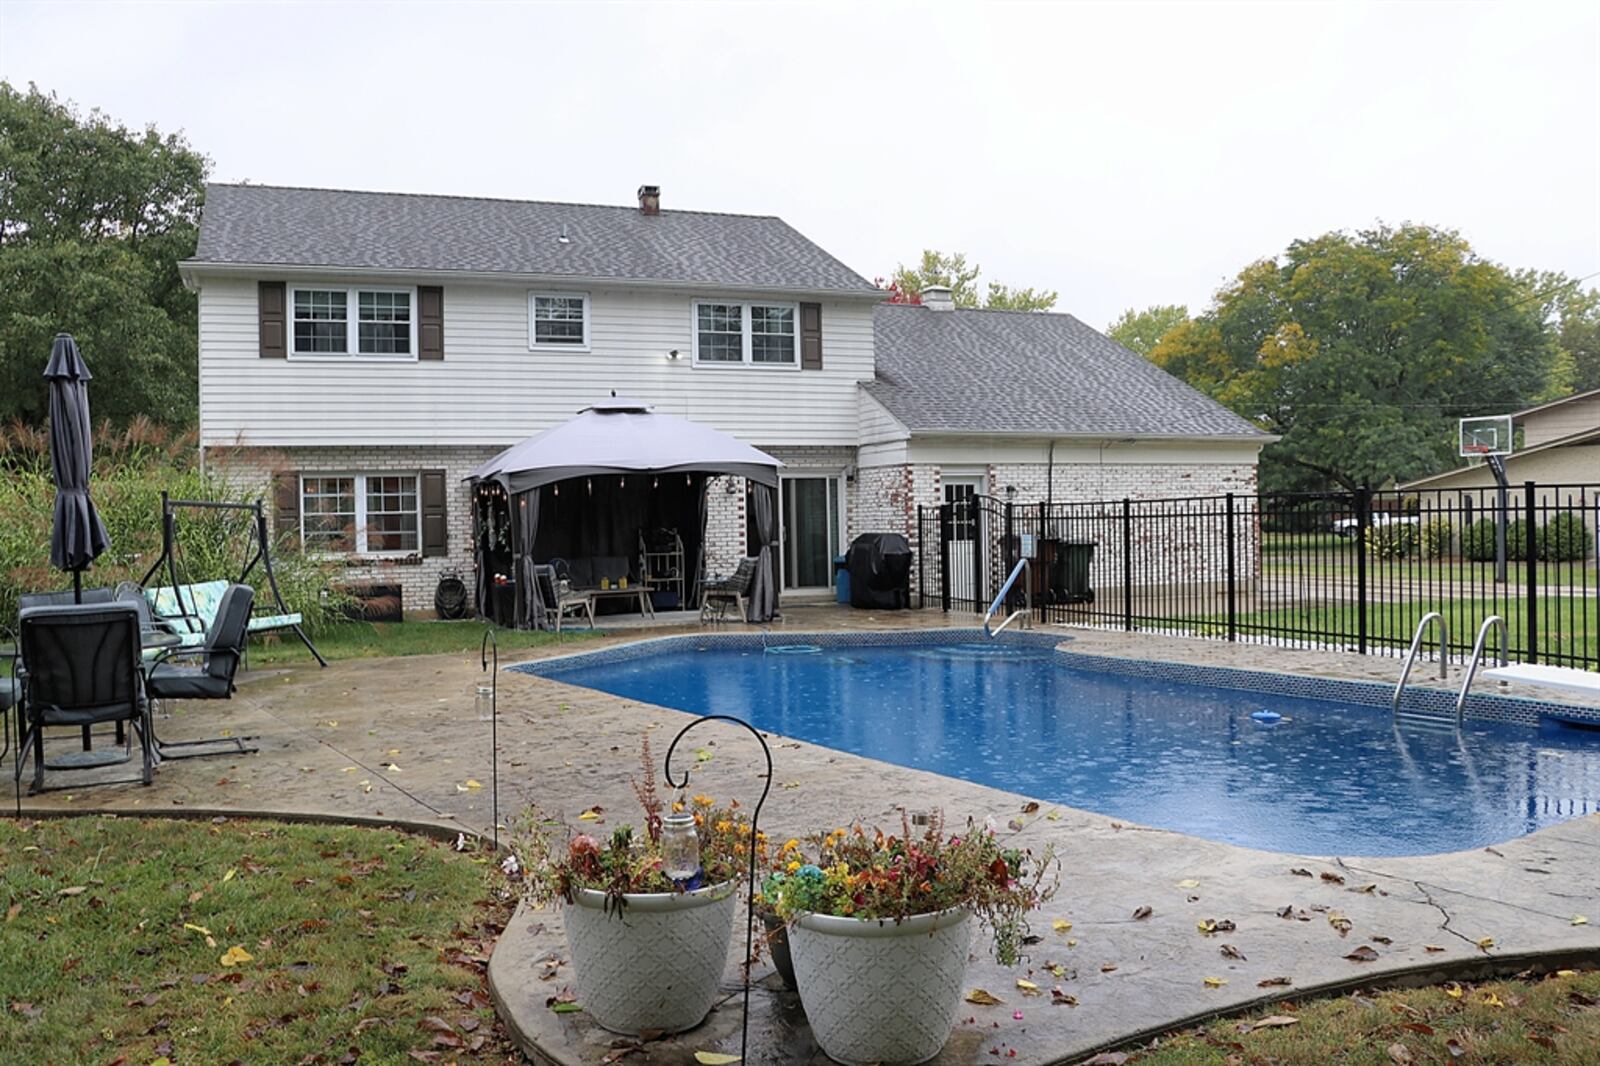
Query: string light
[590, 482]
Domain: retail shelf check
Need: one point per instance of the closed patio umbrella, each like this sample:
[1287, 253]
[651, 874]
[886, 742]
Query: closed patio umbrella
[77, 536]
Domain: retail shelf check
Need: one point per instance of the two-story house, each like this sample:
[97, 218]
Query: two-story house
[363, 352]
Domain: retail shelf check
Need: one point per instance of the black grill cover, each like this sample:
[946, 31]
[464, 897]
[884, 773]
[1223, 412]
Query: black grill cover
[880, 571]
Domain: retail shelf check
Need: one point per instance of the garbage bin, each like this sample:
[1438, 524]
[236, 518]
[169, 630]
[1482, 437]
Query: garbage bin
[1069, 571]
[841, 579]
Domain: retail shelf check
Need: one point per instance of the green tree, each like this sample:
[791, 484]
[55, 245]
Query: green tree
[1573, 313]
[937, 268]
[1141, 331]
[1361, 350]
[94, 219]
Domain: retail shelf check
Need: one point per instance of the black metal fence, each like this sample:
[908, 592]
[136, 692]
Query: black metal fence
[1352, 571]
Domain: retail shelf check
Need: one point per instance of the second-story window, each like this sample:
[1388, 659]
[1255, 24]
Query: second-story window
[558, 320]
[381, 325]
[762, 334]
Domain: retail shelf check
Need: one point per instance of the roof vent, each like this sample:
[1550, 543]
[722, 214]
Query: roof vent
[562, 237]
[938, 298]
[650, 199]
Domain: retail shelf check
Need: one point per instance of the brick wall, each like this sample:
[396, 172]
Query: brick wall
[418, 577]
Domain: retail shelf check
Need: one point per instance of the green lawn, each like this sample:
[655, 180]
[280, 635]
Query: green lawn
[375, 640]
[1553, 1020]
[118, 936]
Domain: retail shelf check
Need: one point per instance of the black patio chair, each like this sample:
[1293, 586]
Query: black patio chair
[211, 678]
[67, 598]
[560, 598]
[78, 667]
[719, 594]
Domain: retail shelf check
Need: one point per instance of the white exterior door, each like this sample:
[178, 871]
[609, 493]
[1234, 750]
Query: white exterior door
[966, 545]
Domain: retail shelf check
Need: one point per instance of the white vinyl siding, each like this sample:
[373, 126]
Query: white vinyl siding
[488, 391]
[328, 321]
[363, 514]
[756, 333]
[558, 320]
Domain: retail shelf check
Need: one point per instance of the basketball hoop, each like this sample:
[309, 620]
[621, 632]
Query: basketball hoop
[1482, 437]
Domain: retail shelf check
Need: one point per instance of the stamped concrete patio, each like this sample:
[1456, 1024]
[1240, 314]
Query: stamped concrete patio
[398, 740]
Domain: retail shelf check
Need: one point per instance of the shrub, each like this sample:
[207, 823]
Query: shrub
[131, 468]
[1564, 539]
[1393, 540]
[1438, 536]
[1477, 540]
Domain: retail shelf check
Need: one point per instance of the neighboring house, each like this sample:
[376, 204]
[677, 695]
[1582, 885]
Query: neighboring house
[364, 351]
[1560, 445]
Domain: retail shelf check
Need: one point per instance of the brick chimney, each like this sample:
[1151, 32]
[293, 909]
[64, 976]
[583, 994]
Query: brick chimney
[650, 199]
[938, 298]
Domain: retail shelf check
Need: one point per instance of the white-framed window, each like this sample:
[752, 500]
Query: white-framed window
[558, 320]
[365, 322]
[362, 514]
[753, 333]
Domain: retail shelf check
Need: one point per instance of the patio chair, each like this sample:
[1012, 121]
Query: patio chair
[66, 598]
[209, 679]
[719, 594]
[563, 600]
[78, 667]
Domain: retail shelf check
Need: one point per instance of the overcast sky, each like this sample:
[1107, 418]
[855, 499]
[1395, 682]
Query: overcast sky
[1122, 154]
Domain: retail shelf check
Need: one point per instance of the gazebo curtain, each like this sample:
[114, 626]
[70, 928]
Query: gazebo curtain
[764, 589]
[532, 603]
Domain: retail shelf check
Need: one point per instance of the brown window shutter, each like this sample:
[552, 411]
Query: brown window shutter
[286, 507]
[270, 298]
[810, 336]
[435, 530]
[430, 322]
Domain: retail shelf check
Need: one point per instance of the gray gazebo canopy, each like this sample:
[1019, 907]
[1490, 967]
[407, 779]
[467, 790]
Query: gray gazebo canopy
[624, 437]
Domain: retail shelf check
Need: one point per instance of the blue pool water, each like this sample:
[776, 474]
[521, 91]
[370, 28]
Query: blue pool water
[1327, 778]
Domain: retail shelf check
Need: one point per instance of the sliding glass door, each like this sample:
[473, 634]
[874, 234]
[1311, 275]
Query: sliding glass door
[810, 515]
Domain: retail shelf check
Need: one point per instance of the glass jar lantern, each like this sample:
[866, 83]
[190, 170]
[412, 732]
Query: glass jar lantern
[483, 702]
[680, 847]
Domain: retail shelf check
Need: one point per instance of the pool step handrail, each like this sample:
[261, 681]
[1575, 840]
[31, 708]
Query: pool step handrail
[1024, 566]
[1493, 621]
[1416, 646]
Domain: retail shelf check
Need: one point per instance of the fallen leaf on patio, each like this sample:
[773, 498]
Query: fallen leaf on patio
[1368, 889]
[1275, 1021]
[1400, 1055]
[1385, 941]
[1141, 913]
[565, 1008]
[714, 1058]
[348, 770]
[333, 723]
[366, 786]
[75, 890]
[1578, 919]
[229, 875]
[1215, 982]
[1300, 872]
[1071, 943]
[1059, 998]
[1273, 982]
[1339, 922]
[1486, 943]
[1108, 967]
[791, 784]
[1061, 925]
[1031, 807]
[1452, 990]
[983, 998]
[590, 815]
[1029, 988]
[474, 784]
[236, 955]
[1332, 879]
[702, 755]
[1054, 816]
[1432, 947]
[1363, 954]
[1015, 825]
[1206, 926]
[391, 767]
[1188, 882]
[1231, 952]
[202, 930]
[394, 751]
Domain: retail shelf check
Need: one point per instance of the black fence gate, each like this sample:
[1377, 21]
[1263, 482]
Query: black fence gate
[1349, 571]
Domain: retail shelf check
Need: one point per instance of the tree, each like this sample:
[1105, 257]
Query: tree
[1140, 331]
[94, 219]
[937, 268]
[1573, 313]
[1362, 350]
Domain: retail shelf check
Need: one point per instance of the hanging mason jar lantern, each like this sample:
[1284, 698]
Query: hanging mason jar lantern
[483, 702]
[680, 845]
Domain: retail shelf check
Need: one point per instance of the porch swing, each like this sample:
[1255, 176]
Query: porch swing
[190, 608]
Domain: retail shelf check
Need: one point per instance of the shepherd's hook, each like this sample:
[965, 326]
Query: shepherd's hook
[494, 729]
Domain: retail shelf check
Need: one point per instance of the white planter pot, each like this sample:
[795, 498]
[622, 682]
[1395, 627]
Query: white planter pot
[657, 963]
[879, 991]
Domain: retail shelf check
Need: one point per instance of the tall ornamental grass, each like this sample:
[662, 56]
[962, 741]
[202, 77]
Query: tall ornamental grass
[132, 467]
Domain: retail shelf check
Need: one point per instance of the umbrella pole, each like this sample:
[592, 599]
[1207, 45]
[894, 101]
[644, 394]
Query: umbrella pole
[77, 586]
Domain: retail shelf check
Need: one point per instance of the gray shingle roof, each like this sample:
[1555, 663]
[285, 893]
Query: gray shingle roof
[273, 225]
[968, 371]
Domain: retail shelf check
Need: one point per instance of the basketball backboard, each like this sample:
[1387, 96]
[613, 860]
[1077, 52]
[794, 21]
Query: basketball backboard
[1486, 436]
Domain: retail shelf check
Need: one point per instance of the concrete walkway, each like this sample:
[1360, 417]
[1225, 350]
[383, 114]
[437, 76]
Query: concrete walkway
[398, 739]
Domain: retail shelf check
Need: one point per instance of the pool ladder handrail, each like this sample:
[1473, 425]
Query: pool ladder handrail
[1023, 567]
[1416, 646]
[1493, 620]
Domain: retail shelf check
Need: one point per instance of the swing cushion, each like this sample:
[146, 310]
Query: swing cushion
[201, 600]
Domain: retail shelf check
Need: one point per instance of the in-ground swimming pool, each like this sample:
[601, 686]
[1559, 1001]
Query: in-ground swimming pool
[1329, 778]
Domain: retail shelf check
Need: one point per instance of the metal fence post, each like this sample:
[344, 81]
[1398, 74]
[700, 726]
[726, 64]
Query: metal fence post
[1530, 561]
[944, 557]
[1007, 552]
[1127, 564]
[1363, 527]
[1233, 584]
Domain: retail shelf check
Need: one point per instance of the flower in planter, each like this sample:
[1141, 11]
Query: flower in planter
[853, 873]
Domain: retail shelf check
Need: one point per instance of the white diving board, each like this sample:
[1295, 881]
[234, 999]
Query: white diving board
[1585, 681]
